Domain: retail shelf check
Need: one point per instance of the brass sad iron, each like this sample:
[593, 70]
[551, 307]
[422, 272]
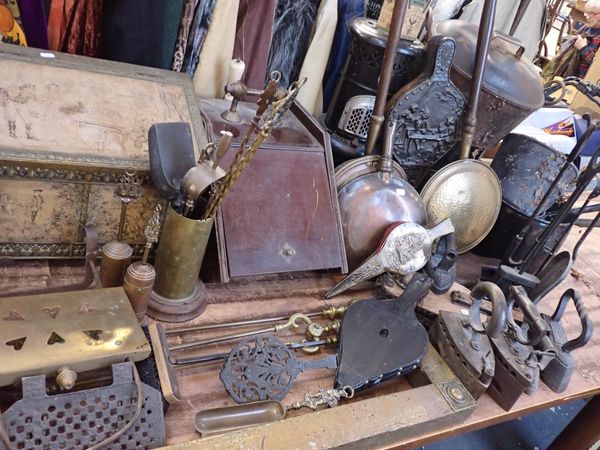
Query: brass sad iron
[405, 248]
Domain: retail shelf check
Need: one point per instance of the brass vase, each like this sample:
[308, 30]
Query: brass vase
[178, 293]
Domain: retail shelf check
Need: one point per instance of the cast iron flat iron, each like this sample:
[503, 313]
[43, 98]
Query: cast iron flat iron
[405, 248]
[382, 339]
[171, 152]
[464, 342]
[557, 374]
[517, 363]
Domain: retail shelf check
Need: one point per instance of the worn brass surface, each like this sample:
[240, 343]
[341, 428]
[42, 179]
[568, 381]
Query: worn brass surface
[82, 330]
[138, 283]
[469, 193]
[62, 152]
[116, 256]
[180, 253]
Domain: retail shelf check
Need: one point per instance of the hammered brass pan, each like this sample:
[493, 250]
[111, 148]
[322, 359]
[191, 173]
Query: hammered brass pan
[469, 193]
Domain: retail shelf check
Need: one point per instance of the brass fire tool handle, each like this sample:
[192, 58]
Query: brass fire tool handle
[279, 107]
[129, 189]
[151, 232]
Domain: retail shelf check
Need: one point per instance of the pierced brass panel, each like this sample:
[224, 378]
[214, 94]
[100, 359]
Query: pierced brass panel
[82, 330]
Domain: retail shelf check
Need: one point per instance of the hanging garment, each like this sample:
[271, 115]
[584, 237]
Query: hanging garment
[253, 39]
[198, 31]
[57, 20]
[33, 19]
[347, 9]
[10, 31]
[132, 31]
[187, 17]
[83, 28]
[315, 62]
[529, 31]
[291, 34]
[217, 51]
[171, 18]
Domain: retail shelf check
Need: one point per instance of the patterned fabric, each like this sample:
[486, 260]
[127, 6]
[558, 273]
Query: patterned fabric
[291, 34]
[187, 17]
[587, 53]
[83, 29]
[198, 31]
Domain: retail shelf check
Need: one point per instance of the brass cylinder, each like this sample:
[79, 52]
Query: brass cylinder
[116, 256]
[179, 255]
[138, 283]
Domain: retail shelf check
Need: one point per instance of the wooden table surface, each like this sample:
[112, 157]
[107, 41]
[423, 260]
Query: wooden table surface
[202, 389]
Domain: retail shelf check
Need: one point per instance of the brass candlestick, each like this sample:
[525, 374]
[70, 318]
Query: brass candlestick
[116, 255]
[140, 276]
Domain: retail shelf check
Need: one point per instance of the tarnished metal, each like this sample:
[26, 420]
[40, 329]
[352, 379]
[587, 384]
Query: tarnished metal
[557, 374]
[264, 368]
[484, 37]
[90, 279]
[469, 193]
[383, 82]
[526, 168]
[511, 88]
[140, 276]
[423, 407]
[80, 420]
[229, 418]
[371, 201]
[517, 366]
[177, 295]
[82, 330]
[404, 248]
[428, 111]
[116, 256]
[352, 102]
[200, 177]
[463, 342]
[354, 168]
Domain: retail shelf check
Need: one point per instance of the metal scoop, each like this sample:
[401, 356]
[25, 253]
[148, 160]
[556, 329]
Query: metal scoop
[200, 177]
[405, 248]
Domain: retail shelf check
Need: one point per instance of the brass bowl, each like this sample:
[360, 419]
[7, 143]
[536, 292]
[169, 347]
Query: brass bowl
[469, 193]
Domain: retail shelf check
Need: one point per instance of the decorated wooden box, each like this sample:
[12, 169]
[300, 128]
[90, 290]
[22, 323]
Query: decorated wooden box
[69, 128]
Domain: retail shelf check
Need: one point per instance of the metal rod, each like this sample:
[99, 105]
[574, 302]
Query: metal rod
[221, 356]
[124, 204]
[216, 340]
[383, 85]
[486, 29]
[516, 243]
[582, 184]
[242, 323]
[584, 236]
[523, 5]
